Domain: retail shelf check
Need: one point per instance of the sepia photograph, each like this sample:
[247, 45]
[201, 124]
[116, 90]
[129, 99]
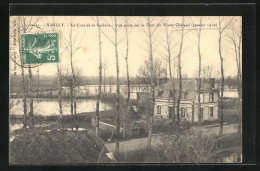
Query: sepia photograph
[125, 89]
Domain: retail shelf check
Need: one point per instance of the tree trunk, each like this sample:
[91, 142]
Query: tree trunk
[239, 86]
[222, 84]
[31, 96]
[75, 111]
[128, 82]
[110, 86]
[104, 80]
[23, 80]
[150, 116]
[24, 101]
[73, 102]
[199, 75]
[192, 112]
[38, 80]
[166, 74]
[180, 76]
[30, 88]
[170, 72]
[117, 92]
[60, 94]
[100, 80]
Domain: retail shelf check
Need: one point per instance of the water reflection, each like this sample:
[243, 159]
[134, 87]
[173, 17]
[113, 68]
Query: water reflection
[14, 127]
[50, 106]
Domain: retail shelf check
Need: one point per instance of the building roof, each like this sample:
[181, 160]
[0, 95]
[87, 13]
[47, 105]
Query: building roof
[187, 85]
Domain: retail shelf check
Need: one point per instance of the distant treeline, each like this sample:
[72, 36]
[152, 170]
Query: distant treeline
[48, 83]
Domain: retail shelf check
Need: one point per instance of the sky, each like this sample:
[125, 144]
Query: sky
[85, 37]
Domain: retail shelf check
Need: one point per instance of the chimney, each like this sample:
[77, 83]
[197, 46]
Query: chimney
[212, 83]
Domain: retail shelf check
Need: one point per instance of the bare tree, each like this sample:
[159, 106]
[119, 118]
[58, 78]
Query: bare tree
[104, 75]
[73, 42]
[199, 79]
[206, 72]
[145, 71]
[73, 81]
[197, 32]
[30, 81]
[38, 71]
[149, 33]
[59, 76]
[221, 29]
[24, 90]
[60, 94]
[110, 84]
[169, 58]
[116, 42]
[150, 123]
[117, 89]
[235, 36]
[179, 72]
[100, 79]
[24, 25]
[31, 96]
[127, 76]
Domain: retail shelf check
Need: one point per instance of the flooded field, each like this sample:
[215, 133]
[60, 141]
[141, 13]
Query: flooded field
[50, 106]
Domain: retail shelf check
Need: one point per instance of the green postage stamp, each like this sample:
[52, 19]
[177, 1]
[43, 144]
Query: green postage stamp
[40, 48]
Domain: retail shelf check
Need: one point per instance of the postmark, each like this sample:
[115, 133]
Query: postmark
[40, 48]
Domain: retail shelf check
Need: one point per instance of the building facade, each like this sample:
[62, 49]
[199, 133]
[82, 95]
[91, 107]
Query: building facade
[209, 95]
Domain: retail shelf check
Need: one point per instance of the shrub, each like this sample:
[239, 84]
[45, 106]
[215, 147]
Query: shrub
[194, 147]
[230, 103]
[141, 156]
[56, 147]
[166, 125]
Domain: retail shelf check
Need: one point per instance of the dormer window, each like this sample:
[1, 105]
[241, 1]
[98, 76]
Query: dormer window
[183, 94]
[160, 92]
[171, 94]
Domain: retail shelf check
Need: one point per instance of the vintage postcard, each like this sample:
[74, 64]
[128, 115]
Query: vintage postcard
[125, 89]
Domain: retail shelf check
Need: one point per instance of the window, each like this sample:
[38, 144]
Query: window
[211, 98]
[202, 97]
[171, 94]
[171, 112]
[158, 109]
[160, 93]
[183, 110]
[183, 94]
[211, 111]
[201, 112]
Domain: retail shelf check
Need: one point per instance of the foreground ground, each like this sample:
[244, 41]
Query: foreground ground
[158, 139]
[133, 148]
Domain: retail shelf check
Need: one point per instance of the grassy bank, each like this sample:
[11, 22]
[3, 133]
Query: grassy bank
[57, 147]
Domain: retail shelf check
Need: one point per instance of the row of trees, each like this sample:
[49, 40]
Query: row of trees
[24, 25]
[225, 26]
[173, 47]
[115, 40]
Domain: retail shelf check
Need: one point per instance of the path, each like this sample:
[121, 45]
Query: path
[157, 139]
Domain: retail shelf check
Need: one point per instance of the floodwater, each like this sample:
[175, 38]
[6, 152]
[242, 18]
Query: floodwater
[50, 106]
[232, 94]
